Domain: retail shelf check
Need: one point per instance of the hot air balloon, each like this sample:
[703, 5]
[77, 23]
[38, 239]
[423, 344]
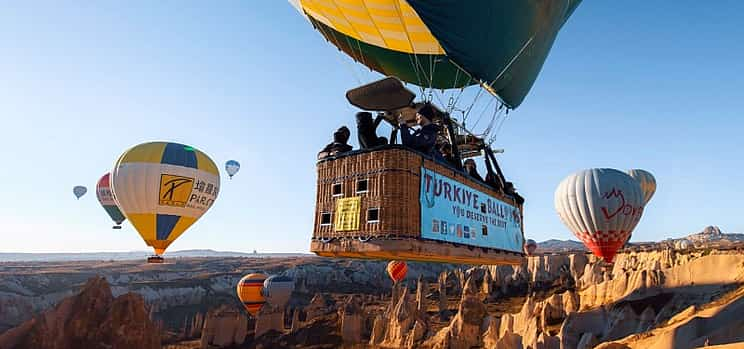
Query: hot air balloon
[444, 48]
[647, 183]
[106, 198]
[498, 44]
[277, 290]
[79, 191]
[397, 270]
[683, 244]
[232, 167]
[163, 188]
[530, 247]
[250, 292]
[648, 186]
[601, 207]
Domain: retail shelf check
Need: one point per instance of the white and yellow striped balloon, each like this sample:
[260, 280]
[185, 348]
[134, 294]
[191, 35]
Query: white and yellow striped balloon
[163, 188]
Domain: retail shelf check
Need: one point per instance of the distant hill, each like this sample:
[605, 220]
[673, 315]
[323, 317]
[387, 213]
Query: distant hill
[554, 245]
[132, 255]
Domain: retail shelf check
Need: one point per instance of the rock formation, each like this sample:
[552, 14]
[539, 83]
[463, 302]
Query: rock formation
[296, 323]
[352, 320]
[421, 287]
[223, 327]
[269, 318]
[442, 301]
[320, 305]
[91, 319]
[401, 325]
[467, 326]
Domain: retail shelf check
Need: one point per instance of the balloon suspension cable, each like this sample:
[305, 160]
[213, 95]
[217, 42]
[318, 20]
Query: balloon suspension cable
[467, 111]
[483, 112]
[498, 129]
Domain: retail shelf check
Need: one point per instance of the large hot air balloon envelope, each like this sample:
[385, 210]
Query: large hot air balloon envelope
[250, 292]
[163, 188]
[79, 191]
[530, 246]
[397, 270]
[647, 182]
[446, 44]
[277, 290]
[106, 198]
[232, 167]
[601, 207]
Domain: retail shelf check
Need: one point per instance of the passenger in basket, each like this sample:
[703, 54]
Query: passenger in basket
[339, 144]
[509, 190]
[424, 138]
[471, 170]
[493, 181]
[367, 130]
[446, 151]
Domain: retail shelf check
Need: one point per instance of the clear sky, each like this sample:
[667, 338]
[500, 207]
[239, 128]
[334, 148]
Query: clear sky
[647, 84]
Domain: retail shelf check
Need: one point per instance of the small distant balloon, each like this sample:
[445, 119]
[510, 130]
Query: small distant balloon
[683, 244]
[601, 207]
[277, 290]
[79, 191]
[530, 247]
[232, 167]
[250, 292]
[397, 270]
[647, 182]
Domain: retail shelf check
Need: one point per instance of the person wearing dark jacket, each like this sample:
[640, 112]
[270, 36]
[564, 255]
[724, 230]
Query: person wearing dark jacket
[446, 150]
[424, 138]
[509, 190]
[367, 130]
[339, 144]
[471, 170]
[493, 180]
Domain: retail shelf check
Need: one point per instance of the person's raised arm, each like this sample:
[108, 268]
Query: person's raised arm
[378, 119]
[406, 138]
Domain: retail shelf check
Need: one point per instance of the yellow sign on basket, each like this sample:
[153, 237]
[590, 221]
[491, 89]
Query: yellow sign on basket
[347, 214]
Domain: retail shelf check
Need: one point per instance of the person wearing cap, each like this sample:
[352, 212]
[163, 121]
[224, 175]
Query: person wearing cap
[424, 138]
[471, 170]
[339, 145]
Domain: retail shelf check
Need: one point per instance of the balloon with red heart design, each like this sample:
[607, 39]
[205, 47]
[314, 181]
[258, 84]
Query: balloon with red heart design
[601, 207]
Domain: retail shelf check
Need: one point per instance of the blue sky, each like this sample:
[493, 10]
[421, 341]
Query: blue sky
[645, 84]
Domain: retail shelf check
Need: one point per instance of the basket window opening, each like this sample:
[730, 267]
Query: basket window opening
[362, 186]
[325, 218]
[373, 215]
[337, 189]
[484, 229]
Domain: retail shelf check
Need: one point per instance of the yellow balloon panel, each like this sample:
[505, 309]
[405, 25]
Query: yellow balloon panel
[390, 24]
[163, 188]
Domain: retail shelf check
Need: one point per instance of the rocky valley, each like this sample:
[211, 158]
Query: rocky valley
[655, 298]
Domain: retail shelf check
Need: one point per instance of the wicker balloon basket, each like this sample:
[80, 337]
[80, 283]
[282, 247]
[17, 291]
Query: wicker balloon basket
[368, 206]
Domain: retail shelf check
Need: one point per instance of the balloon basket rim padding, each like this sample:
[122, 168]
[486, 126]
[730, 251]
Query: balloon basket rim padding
[411, 249]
